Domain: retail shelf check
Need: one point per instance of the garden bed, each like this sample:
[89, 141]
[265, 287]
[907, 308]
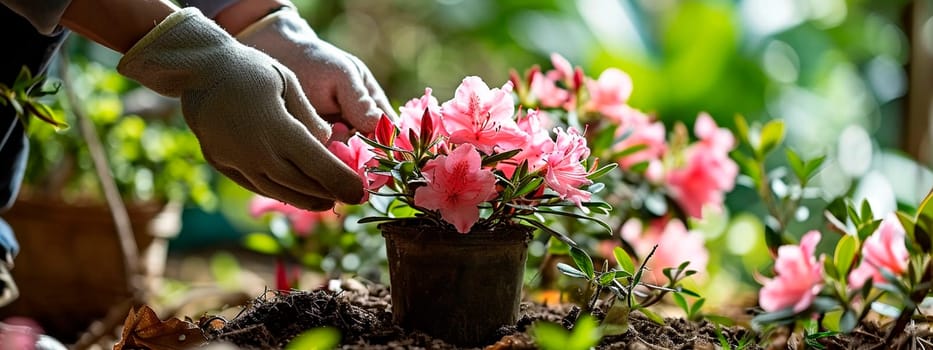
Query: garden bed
[363, 317]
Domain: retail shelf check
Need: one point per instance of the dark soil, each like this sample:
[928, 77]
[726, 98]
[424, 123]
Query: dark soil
[363, 316]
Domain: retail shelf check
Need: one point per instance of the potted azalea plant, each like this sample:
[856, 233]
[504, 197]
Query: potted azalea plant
[469, 181]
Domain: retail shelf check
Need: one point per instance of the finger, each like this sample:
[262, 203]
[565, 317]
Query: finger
[286, 173]
[337, 178]
[375, 90]
[310, 156]
[356, 104]
[270, 188]
[298, 106]
[238, 177]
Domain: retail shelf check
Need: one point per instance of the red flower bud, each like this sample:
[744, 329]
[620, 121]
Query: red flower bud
[386, 131]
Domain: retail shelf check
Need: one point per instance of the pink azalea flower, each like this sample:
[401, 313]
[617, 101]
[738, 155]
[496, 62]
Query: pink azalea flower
[711, 135]
[885, 248]
[482, 117]
[708, 172]
[544, 85]
[675, 244]
[357, 155]
[609, 92]
[642, 131]
[564, 172]
[548, 94]
[456, 184]
[412, 113]
[799, 277]
[562, 66]
[303, 221]
[538, 144]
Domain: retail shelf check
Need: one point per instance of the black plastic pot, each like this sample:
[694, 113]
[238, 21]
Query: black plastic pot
[458, 287]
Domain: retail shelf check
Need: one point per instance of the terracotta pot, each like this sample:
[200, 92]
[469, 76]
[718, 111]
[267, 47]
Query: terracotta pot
[458, 287]
[70, 269]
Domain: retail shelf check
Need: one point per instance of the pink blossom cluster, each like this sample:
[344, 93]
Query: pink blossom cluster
[884, 249]
[303, 222]
[800, 274]
[696, 176]
[477, 122]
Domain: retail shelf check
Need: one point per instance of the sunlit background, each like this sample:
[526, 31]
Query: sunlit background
[851, 78]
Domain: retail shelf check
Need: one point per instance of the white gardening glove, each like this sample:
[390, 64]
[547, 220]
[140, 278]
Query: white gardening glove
[339, 85]
[248, 111]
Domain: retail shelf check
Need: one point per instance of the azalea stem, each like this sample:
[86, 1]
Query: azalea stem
[916, 297]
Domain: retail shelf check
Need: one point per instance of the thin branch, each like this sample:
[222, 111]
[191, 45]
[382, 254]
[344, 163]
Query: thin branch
[121, 218]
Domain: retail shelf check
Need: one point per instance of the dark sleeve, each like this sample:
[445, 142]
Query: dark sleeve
[209, 8]
[44, 15]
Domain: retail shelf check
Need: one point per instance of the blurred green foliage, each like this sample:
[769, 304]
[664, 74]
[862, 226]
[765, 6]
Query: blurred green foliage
[152, 157]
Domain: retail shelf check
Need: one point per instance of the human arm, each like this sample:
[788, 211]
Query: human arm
[339, 85]
[247, 110]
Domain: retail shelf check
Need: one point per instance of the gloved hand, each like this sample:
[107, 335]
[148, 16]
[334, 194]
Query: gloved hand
[338, 84]
[247, 110]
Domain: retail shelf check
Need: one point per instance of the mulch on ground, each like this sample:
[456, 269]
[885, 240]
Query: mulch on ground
[363, 316]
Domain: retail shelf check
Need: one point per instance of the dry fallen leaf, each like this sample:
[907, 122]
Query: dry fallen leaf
[144, 330]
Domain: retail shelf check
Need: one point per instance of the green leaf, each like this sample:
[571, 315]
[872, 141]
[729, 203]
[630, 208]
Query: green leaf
[908, 223]
[585, 334]
[781, 317]
[559, 236]
[652, 316]
[324, 338]
[837, 208]
[845, 254]
[772, 134]
[867, 228]
[865, 214]
[629, 151]
[656, 204]
[570, 271]
[813, 165]
[375, 144]
[689, 292]
[528, 186]
[720, 320]
[639, 167]
[605, 169]
[583, 261]
[616, 320]
[741, 127]
[885, 309]
[848, 321]
[549, 336]
[695, 309]
[830, 268]
[926, 207]
[605, 279]
[370, 219]
[750, 168]
[854, 216]
[262, 243]
[575, 215]
[680, 301]
[624, 260]
[796, 164]
[495, 158]
[604, 139]
[921, 234]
